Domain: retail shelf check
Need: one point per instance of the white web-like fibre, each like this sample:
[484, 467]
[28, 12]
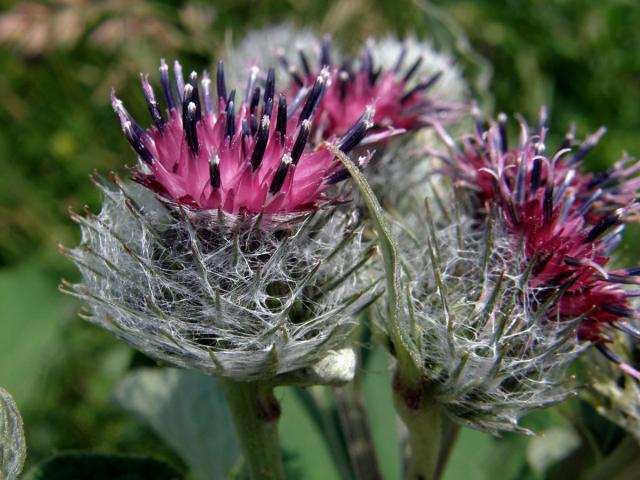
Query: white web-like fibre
[263, 47]
[400, 172]
[490, 349]
[242, 298]
[450, 88]
[403, 161]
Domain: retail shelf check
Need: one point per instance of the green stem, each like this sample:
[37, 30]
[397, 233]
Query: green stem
[423, 420]
[255, 413]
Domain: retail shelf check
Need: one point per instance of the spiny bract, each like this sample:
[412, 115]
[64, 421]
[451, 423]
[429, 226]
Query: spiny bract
[217, 292]
[487, 353]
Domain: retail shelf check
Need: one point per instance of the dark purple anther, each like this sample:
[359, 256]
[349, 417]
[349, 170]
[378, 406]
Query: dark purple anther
[190, 131]
[261, 143]
[220, 83]
[313, 99]
[270, 85]
[214, 171]
[325, 52]
[152, 104]
[422, 86]
[413, 69]
[357, 132]
[166, 85]
[255, 100]
[230, 125]
[586, 146]
[300, 142]
[268, 108]
[280, 175]
[400, 60]
[502, 128]
[604, 225]
[536, 170]
[195, 94]
[305, 64]
[281, 123]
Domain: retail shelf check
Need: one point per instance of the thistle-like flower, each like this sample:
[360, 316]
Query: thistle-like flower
[475, 325]
[410, 84]
[402, 93]
[569, 221]
[249, 161]
[230, 256]
[515, 282]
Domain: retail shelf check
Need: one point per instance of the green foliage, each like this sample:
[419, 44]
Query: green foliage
[578, 57]
[306, 452]
[188, 411]
[31, 306]
[99, 466]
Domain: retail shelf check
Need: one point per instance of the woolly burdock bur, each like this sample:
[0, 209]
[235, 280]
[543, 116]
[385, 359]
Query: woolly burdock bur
[511, 286]
[236, 253]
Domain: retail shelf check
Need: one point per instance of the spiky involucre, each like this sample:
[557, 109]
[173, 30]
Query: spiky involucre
[488, 353]
[241, 297]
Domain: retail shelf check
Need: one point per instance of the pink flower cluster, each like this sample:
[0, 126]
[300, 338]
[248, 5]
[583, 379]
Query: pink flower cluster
[568, 220]
[248, 155]
[399, 102]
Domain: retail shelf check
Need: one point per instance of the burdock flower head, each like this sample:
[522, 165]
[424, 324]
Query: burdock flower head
[568, 221]
[410, 84]
[475, 329]
[401, 93]
[514, 284]
[249, 158]
[234, 252]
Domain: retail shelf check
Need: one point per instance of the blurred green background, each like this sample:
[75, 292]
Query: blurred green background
[58, 61]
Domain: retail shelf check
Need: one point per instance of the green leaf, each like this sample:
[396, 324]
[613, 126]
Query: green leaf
[479, 456]
[306, 450]
[320, 408]
[100, 466]
[188, 410]
[623, 463]
[469, 457]
[13, 447]
[33, 315]
[553, 445]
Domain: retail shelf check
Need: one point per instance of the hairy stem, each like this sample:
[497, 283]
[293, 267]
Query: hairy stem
[255, 413]
[423, 420]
